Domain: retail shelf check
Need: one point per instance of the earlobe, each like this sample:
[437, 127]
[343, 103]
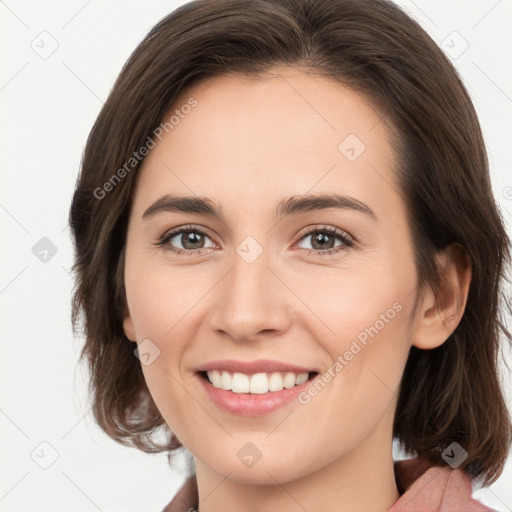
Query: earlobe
[439, 316]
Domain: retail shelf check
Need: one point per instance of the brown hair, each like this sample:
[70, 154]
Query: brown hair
[451, 393]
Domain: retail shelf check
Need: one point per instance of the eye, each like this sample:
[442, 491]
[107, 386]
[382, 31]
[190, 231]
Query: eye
[189, 240]
[324, 239]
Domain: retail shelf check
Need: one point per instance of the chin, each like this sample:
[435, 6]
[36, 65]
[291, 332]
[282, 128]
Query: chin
[265, 471]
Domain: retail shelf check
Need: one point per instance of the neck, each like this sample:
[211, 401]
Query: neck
[361, 480]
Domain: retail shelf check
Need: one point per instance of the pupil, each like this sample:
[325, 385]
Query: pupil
[322, 240]
[190, 239]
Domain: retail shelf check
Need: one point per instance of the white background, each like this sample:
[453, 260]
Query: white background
[48, 107]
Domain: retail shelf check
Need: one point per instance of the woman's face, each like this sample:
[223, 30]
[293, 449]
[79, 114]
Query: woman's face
[257, 283]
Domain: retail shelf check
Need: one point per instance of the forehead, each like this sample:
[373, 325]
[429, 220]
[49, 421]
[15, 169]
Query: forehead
[258, 139]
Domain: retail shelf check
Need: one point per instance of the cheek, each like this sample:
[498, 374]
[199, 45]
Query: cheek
[365, 332]
[372, 357]
[347, 299]
[163, 305]
[160, 313]
[161, 299]
[361, 385]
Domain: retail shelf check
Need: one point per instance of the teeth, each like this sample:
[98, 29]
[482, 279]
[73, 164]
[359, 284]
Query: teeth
[257, 383]
[301, 378]
[225, 381]
[240, 383]
[215, 378]
[289, 381]
[275, 382]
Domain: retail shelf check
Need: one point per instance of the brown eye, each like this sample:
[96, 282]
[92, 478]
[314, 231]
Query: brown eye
[185, 240]
[191, 239]
[323, 241]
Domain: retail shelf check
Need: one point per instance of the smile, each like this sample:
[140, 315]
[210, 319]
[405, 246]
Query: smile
[253, 388]
[257, 383]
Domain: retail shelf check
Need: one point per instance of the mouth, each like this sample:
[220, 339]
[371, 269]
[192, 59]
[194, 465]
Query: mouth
[255, 394]
[253, 388]
[256, 383]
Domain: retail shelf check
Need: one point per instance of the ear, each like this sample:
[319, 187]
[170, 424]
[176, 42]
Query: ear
[437, 318]
[128, 327]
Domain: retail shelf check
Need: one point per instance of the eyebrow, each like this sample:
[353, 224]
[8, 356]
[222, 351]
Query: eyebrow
[290, 206]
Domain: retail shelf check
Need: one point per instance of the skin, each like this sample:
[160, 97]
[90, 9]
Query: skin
[248, 144]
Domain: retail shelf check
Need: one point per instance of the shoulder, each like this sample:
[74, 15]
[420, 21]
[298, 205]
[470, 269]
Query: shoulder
[432, 488]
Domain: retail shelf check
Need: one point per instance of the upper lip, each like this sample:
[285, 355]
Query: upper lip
[250, 367]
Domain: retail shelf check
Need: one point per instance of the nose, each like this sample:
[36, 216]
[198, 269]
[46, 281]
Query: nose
[251, 300]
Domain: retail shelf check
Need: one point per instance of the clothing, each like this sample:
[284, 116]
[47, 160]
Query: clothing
[423, 487]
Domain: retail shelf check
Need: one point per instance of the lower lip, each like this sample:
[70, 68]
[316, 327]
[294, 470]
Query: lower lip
[249, 404]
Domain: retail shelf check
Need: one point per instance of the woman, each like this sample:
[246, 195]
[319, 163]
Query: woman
[288, 254]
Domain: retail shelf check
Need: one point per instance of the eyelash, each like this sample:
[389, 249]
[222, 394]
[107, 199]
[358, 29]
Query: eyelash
[347, 242]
